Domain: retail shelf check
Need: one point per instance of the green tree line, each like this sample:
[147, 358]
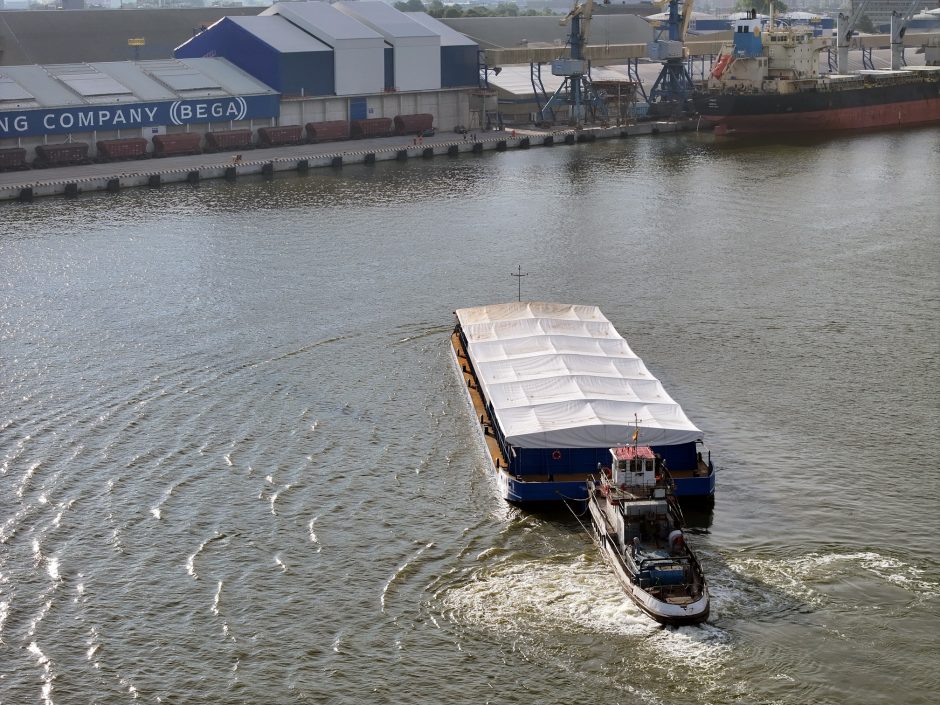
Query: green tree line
[436, 8]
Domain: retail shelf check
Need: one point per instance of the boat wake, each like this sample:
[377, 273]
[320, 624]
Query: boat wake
[803, 577]
[515, 599]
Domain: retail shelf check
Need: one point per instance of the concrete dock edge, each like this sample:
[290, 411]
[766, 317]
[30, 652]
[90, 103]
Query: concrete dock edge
[112, 177]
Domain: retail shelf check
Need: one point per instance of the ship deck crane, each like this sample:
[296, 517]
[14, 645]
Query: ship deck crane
[845, 25]
[898, 28]
[576, 89]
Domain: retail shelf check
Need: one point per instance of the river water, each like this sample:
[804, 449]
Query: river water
[236, 465]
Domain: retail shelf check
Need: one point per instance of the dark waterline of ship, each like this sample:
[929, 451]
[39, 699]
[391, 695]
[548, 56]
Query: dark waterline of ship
[235, 465]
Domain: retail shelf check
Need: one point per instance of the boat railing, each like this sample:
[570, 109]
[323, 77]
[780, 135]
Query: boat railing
[629, 492]
[697, 567]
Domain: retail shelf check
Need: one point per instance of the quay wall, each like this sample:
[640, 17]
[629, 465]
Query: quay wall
[74, 180]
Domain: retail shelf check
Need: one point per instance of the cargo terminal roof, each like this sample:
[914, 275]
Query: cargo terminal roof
[561, 376]
[38, 37]
[449, 37]
[326, 22]
[280, 34]
[111, 83]
[386, 20]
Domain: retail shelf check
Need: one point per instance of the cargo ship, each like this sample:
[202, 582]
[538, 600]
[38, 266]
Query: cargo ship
[768, 81]
[553, 388]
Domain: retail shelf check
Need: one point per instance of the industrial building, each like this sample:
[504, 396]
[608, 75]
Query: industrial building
[295, 63]
[349, 61]
[42, 105]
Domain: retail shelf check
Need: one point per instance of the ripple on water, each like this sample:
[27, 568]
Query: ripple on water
[25, 480]
[93, 646]
[52, 567]
[47, 674]
[216, 599]
[4, 613]
[313, 535]
[191, 559]
[401, 572]
[13, 454]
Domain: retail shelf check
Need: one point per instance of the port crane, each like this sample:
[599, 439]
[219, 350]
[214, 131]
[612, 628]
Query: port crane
[576, 90]
[673, 86]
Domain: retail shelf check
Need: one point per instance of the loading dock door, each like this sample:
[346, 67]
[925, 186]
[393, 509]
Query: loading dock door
[358, 109]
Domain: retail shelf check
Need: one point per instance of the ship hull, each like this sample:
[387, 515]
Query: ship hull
[898, 105]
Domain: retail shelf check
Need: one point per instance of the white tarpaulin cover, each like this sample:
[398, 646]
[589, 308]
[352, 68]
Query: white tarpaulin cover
[561, 376]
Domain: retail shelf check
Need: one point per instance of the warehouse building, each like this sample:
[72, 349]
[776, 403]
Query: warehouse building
[349, 61]
[89, 103]
[374, 47]
[271, 49]
[295, 63]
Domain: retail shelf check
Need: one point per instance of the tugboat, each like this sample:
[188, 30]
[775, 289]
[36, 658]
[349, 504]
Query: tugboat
[637, 523]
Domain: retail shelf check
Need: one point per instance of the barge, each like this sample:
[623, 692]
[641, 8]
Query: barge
[553, 387]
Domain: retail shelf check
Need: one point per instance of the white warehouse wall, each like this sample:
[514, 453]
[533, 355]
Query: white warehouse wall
[417, 66]
[358, 69]
[417, 48]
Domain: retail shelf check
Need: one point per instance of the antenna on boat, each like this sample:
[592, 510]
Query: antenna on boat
[519, 279]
